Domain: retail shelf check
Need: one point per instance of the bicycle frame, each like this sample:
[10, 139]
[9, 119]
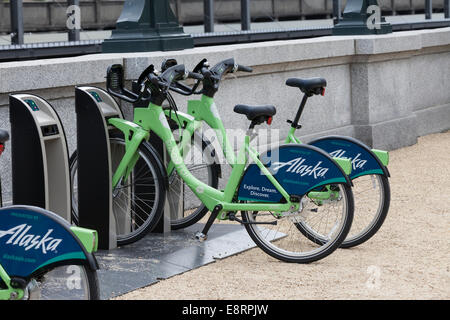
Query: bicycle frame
[9, 292]
[153, 118]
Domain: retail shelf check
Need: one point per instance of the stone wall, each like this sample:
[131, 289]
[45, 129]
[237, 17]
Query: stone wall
[384, 90]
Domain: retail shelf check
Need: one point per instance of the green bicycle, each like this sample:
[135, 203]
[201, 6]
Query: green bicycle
[369, 172]
[277, 194]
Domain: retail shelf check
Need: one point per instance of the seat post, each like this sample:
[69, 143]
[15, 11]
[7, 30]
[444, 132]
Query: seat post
[294, 123]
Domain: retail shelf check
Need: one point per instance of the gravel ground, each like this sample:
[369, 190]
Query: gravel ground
[408, 258]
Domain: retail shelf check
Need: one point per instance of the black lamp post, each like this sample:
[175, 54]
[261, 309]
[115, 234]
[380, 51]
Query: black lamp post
[147, 25]
[362, 17]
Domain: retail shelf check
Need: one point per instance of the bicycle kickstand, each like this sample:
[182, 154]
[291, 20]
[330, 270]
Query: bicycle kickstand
[202, 236]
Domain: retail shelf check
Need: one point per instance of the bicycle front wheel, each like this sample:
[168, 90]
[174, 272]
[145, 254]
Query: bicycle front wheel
[285, 240]
[68, 282]
[138, 202]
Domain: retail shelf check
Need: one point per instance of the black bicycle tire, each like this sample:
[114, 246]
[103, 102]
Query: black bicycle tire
[380, 220]
[370, 232]
[162, 194]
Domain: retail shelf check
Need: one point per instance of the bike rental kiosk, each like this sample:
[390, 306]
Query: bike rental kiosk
[94, 106]
[40, 164]
[96, 161]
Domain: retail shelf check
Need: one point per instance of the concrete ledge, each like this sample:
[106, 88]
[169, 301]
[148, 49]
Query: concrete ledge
[397, 42]
[395, 134]
[433, 120]
[54, 73]
[436, 37]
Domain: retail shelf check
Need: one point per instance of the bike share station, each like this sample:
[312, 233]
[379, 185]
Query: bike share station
[41, 178]
[162, 253]
[40, 163]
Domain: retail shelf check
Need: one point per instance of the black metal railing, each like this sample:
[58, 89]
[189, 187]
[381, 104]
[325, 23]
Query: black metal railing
[19, 50]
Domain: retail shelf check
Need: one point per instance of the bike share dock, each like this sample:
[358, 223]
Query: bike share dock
[40, 164]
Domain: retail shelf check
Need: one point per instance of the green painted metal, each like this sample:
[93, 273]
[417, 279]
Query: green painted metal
[291, 138]
[362, 17]
[9, 292]
[205, 110]
[345, 164]
[382, 155]
[154, 119]
[147, 25]
[88, 237]
[134, 135]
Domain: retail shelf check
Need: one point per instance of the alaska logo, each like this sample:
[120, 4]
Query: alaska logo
[357, 163]
[298, 166]
[19, 236]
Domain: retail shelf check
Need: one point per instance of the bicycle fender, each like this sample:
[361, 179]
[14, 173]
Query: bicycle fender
[364, 160]
[32, 239]
[298, 168]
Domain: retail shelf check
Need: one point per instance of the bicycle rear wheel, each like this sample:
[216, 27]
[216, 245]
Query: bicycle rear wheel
[68, 282]
[285, 242]
[138, 202]
[200, 162]
[372, 199]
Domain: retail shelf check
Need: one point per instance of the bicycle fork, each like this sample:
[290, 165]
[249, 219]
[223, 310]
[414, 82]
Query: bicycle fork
[133, 136]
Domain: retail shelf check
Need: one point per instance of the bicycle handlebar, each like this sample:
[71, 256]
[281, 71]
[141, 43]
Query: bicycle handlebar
[115, 84]
[213, 75]
[149, 81]
[170, 77]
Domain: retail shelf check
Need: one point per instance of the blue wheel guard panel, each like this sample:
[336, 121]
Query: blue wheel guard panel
[32, 238]
[298, 168]
[364, 161]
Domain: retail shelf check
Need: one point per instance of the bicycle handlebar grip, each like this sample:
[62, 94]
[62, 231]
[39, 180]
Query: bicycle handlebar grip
[205, 72]
[150, 69]
[194, 75]
[153, 79]
[244, 68]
